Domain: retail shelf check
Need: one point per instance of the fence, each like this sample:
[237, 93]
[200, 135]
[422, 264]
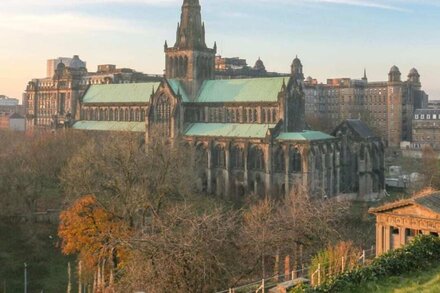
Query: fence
[302, 275]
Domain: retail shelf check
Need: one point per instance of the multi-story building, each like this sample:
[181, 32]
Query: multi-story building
[426, 129]
[5, 101]
[249, 135]
[233, 68]
[387, 107]
[52, 102]
[10, 106]
[12, 121]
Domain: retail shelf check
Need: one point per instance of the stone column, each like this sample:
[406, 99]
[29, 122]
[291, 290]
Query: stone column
[379, 239]
[287, 174]
[209, 170]
[245, 154]
[268, 169]
[305, 168]
[402, 237]
[228, 170]
[387, 238]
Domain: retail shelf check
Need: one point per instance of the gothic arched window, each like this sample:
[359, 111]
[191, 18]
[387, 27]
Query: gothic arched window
[256, 159]
[162, 115]
[201, 156]
[295, 161]
[279, 161]
[237, 157]
[219, 157]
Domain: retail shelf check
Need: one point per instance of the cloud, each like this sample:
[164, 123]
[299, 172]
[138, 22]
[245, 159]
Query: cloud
[64, 23]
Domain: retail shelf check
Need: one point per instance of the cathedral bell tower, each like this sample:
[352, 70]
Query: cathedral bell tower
[190, 60]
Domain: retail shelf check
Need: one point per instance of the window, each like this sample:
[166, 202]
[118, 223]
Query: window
[422, 117]
[428, 116]
[434, 116]
[417, 117]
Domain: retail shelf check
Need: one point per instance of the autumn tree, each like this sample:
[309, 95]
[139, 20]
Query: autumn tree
[95, 235]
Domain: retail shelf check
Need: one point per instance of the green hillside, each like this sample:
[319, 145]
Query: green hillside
[426, 282]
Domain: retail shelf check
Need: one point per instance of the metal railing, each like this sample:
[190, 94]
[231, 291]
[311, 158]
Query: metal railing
[301, 275]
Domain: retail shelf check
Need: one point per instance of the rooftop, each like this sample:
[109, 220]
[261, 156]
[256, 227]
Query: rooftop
[304, 136]
[430, 200]
[241, 90]
[229, 130]
[120, 93]
[110, 126]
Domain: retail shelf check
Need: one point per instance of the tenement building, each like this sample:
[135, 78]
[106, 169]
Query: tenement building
[387, 107]
[52, 102]
[426, 129]
[249, 135]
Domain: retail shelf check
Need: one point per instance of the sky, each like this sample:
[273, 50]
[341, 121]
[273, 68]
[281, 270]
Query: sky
[333, 38]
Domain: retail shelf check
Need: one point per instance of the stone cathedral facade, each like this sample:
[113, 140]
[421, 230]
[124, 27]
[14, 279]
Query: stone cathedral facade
[249, 135]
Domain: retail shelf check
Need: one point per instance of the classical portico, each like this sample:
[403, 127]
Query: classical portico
[399, 222]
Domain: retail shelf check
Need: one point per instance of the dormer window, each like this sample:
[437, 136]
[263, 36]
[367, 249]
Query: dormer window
[428, 116]
[422, 116]
[417, 117]
[434, 116]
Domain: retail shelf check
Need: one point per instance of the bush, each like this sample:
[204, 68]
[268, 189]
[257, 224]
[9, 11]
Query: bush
[330, 261]
[422, 252]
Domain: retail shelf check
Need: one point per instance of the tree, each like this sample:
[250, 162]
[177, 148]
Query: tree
[130, 179]
[430, 169]
[89, 230]
[190, 249]
[30, 168]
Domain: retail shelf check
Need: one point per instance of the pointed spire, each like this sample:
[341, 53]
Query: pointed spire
[191, 32]
[365, 75]
[215, 47]
[166, 45]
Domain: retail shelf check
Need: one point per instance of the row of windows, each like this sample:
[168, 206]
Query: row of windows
[114, 114]
[256, 159]
[427, 116]
[232, 115]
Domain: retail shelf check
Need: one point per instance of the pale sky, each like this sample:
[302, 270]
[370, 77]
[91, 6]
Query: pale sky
[333, 38]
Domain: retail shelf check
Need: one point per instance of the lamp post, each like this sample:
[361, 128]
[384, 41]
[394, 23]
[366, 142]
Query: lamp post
[25, 278]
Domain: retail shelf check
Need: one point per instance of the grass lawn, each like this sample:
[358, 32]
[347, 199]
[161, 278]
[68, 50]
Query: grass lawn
[420, 282]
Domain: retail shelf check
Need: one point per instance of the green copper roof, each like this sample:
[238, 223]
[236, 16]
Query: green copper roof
[229, 130]
[241, 90]
[304, 136]
[177, 87]
[110, 126]
[120, 93]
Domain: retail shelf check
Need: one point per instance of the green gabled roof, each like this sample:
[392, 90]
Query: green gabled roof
[229, 130]
[120, 93]
[177, 87]
[304, 136]
[241, 90]
[110, 126]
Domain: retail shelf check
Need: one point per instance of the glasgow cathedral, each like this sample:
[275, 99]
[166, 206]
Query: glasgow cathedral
[250, 134]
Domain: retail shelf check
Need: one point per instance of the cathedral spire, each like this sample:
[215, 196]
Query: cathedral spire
[191, 32]
[365, 78]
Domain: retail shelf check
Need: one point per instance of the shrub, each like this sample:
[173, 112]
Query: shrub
[331, 261]
[422, 252]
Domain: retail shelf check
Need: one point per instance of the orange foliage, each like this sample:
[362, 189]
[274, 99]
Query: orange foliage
[87, 229]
